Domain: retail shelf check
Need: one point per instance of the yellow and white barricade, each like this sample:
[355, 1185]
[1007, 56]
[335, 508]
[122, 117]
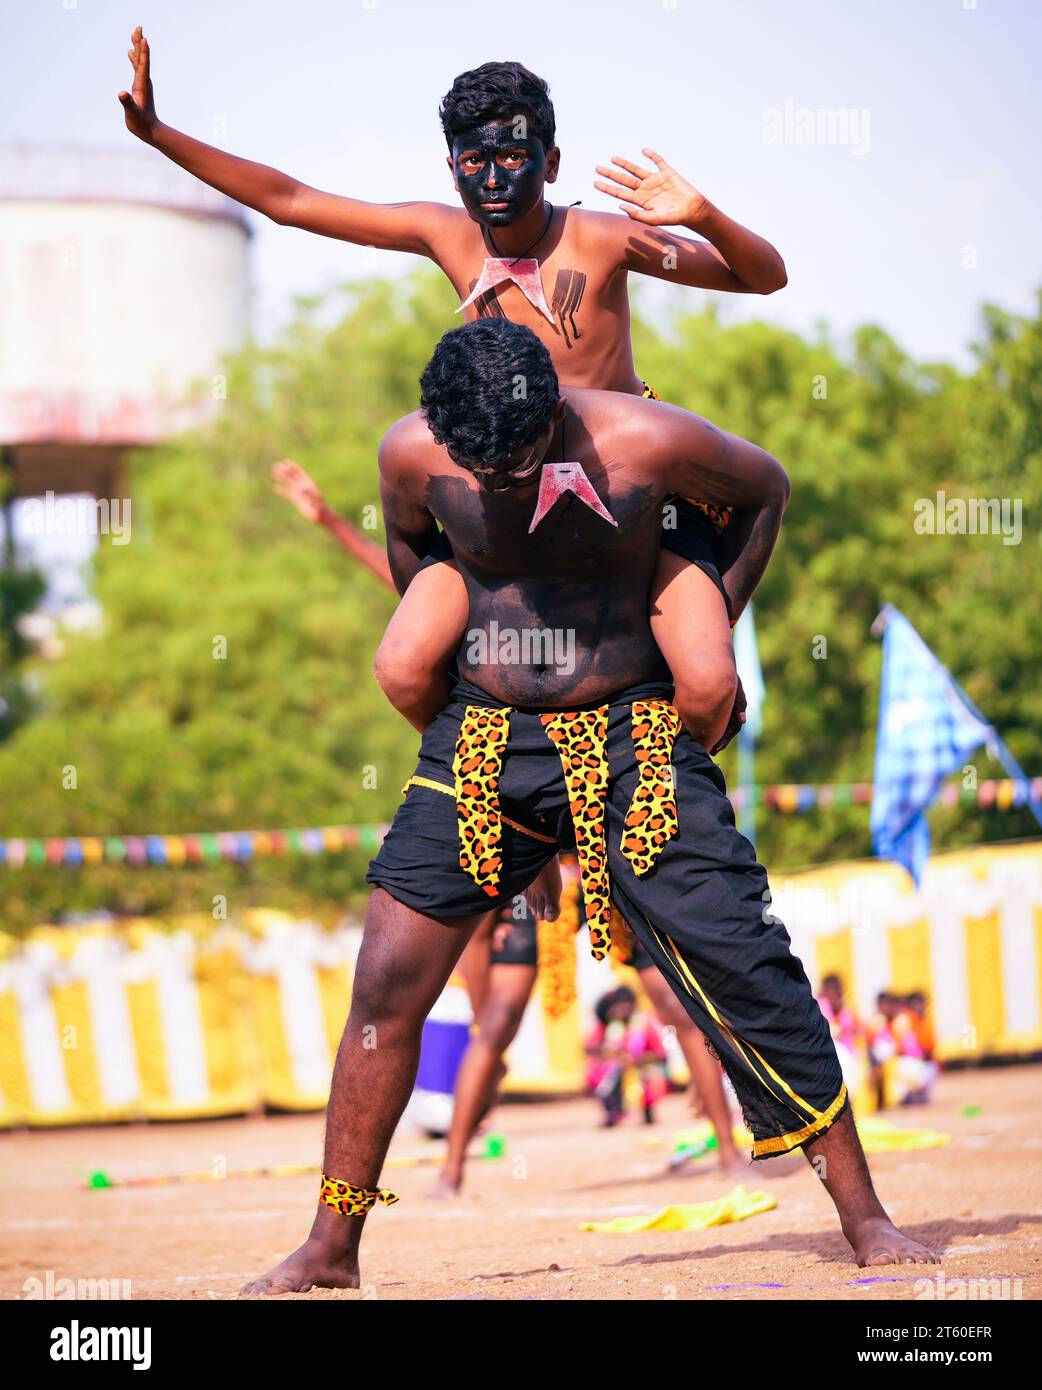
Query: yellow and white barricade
[970, 939]
[114, 1022]
[300, 981]
[195, 1018]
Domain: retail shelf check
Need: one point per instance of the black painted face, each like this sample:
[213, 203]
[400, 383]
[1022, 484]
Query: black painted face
[519, 470]
[499, 176]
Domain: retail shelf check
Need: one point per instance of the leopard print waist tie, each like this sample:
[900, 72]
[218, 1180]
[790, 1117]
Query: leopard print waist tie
[651, 821]
[483, 735]
[580, 737]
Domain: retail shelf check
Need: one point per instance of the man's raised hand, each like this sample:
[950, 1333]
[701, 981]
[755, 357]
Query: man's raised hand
[138, 104]
[659, 197]
[300, 488]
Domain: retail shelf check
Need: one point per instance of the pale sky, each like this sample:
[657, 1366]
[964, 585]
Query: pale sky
[929, 208]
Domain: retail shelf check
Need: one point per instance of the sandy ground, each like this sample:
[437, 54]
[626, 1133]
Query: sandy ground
[514, 1234]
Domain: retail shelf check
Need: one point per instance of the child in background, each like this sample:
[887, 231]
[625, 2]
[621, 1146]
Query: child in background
[903, 1072]
[917, 1070]
[921, 1023]
[842, 1020]
[882, 1047]
[627, 1057]
[846, 1029]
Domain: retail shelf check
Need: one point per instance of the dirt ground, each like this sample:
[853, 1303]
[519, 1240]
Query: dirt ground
[514, 1234]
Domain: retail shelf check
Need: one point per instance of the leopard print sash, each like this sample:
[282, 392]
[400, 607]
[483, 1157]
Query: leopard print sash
[652, 818]
[482, 737]
[580, 737]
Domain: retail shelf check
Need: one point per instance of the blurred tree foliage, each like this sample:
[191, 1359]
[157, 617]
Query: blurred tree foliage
[864, 435]
[288, 728]
[21, 590]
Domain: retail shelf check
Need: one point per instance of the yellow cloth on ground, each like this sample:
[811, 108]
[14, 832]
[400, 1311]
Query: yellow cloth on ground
[883, 1136]
[736, 1205]
[880, 1136]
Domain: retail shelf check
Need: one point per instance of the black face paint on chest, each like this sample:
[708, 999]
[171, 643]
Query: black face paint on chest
[500, 177]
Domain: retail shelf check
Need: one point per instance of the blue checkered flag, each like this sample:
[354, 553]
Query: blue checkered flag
[927, 727]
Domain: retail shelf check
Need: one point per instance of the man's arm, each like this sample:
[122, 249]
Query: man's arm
[731, 257]
[301, 489]
[746, 549]
[700, 461]
[390, 226]
[411, 528]
[696, 458]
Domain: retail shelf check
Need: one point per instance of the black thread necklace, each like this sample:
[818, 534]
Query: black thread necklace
[524, 253]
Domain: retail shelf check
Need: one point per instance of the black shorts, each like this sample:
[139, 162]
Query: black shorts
[701, 912]
[519, 945]
[688, 532]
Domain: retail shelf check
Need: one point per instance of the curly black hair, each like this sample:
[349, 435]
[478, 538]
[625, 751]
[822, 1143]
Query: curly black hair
[495, 91]
[489, 390]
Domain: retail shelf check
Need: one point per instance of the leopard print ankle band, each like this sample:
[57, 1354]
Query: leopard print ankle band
[348, 1200]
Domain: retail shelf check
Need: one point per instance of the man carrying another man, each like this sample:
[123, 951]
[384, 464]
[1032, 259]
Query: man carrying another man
[552, 501]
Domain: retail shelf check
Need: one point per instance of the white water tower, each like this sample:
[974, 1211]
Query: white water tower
[122, 281]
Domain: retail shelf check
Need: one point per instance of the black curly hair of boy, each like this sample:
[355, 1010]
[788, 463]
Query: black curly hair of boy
[489, 390]
[496, 91]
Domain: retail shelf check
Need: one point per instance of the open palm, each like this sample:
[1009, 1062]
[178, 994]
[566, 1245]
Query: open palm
[138, 104]
[298, 487]
[660, 197]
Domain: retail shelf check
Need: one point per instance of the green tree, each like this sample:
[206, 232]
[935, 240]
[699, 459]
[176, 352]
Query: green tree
[231, 687]
[21, 589]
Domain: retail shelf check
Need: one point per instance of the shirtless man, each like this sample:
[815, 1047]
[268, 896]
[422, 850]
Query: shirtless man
[552, 500]
[500, 962]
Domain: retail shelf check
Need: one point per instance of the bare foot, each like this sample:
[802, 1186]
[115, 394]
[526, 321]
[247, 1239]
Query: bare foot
[879, 1242]
[543, 894]
[735, 1165]
[446, 1189]
[312, 1266]
[696, 1104]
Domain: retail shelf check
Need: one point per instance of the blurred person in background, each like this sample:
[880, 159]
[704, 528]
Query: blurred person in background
[847, 1030]
[627, 1058]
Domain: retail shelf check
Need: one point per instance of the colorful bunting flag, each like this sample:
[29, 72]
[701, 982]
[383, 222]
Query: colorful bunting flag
[243, 845]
